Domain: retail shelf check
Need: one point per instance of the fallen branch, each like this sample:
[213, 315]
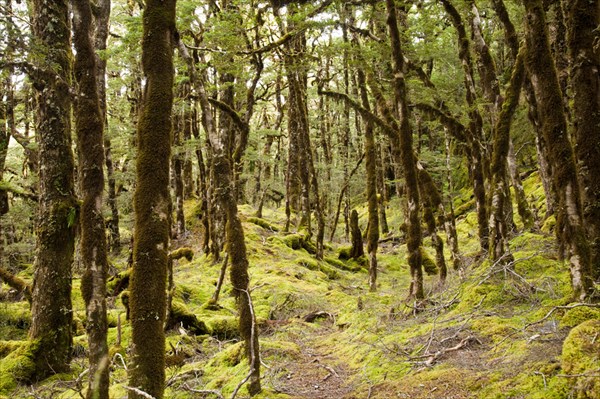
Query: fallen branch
[433, 357]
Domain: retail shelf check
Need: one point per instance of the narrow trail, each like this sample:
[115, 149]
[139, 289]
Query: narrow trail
[316, 373]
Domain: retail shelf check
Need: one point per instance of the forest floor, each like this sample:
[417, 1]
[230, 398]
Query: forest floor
[491, 331]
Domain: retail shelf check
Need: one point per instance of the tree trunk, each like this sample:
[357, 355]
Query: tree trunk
[499, 227]
[583, 18]
[570, 229]
[51, 308]
[89, 128]
[450, 225]
[357, 242]
[102, 21]
[372, 203]
[475, 135]
[414, 238]
[152, 203]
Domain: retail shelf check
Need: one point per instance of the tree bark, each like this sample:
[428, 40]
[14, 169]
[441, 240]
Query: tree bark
[372, 203]
[152, 202]
[89, 130]
[499, 223]
[583, 18]
[570, 229]
[475, 135]
[414, 238]
[51, 308]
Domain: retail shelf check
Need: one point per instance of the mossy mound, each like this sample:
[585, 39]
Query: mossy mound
[181, 316]
[224, 327]
[18, 367]
[263, 223]
[315, 265]
[347, 266]
[581, 359]
[578, 315]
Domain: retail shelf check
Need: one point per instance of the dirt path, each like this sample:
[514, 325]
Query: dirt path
[316, 373]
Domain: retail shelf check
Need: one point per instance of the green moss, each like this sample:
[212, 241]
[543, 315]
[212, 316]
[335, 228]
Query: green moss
[348, 266]
[315, 265]
[578, 315]
[18, 367]
[428, 262]
[7, 347]
[549, 223]
[581, 356]
[263, 223]
[224, 327]
[344, 253]
[229, 357]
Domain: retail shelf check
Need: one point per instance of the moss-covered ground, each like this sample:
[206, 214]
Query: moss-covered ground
[491, 331]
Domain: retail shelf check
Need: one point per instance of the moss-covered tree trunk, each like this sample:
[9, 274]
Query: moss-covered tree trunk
[512, 40]
[152, 203]
[413, 239]
[583, 18]
[475, 135]
[450, 224]
[101, 24]
[51, 308]
[372, 202]
[570, 229]
[499, 226]
[236, 246]
[89, 130]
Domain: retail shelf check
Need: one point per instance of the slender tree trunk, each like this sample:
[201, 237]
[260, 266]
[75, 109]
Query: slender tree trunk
[475, 135]
[51, 308]
[570, 229]
[583, 18]
[152, 203]
[89, 128]
[372, 203]
[450, 225]
[414, 238]
[512, 40]
[499, 227]
[102, 19]
[236, 246]
[522, 204]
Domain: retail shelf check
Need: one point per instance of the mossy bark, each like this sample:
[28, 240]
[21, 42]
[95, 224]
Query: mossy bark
[51, 297]
[474, 132]
[357, 242]
[450, 224]
[432, 207]
[405, 144]
[570, 230]
[499, 226]
[236, 249]
[89, 130]
[583, 18]
[101, 24]
[372, 201]
[152, 202]
[512, 40]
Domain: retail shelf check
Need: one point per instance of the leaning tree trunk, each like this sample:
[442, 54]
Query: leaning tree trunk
[152, 203]
[569, 229]
[89, 129]
[583, 18]
[51, 308]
